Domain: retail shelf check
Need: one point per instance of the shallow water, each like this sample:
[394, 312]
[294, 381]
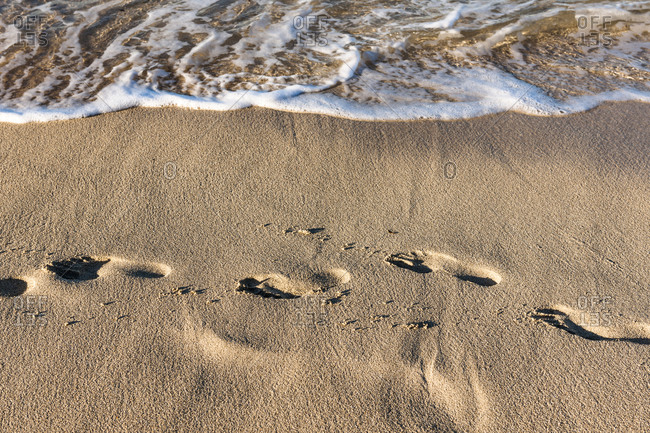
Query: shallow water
[361, 59]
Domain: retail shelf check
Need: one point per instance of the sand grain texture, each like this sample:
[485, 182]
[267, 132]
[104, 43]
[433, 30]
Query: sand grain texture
[396, 294]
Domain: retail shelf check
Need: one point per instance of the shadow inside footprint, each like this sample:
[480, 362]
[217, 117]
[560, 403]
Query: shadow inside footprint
[481, 281]
[11, 287]
[140, 269]
[263, 288]
[279, 286]
[77, 268]
[407, 262]
[143, 273]
[561, 320]
[424, 262]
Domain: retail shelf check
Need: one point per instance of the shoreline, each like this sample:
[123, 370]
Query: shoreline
[462, 112]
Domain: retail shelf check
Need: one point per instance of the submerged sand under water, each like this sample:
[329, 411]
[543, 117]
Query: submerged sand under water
[426, 58]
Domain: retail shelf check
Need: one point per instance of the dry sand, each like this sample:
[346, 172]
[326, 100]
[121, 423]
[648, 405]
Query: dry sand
[260, 271]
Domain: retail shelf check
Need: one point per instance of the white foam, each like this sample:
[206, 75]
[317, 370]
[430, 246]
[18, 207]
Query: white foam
[447, 22]
[488, 92]
[367, 58]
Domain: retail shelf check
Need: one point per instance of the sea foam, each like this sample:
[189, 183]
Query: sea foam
[373, 61]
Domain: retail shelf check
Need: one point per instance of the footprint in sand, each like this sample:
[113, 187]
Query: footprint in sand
[431, 261]
[141, 270]
[572, 321]
[86, 268]
[279, 286]
[77, 268]
[11, 287]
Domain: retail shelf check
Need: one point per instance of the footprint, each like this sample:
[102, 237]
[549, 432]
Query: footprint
[431, 261]
[77, 268]
[279, 286]
[141, 270]
[87, 268]
[11, 287]
[573, 321]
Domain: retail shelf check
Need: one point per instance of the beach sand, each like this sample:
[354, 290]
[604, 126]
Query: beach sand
[263, 271]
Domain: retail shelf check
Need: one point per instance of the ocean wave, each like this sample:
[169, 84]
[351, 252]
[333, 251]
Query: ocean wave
[365, 59]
